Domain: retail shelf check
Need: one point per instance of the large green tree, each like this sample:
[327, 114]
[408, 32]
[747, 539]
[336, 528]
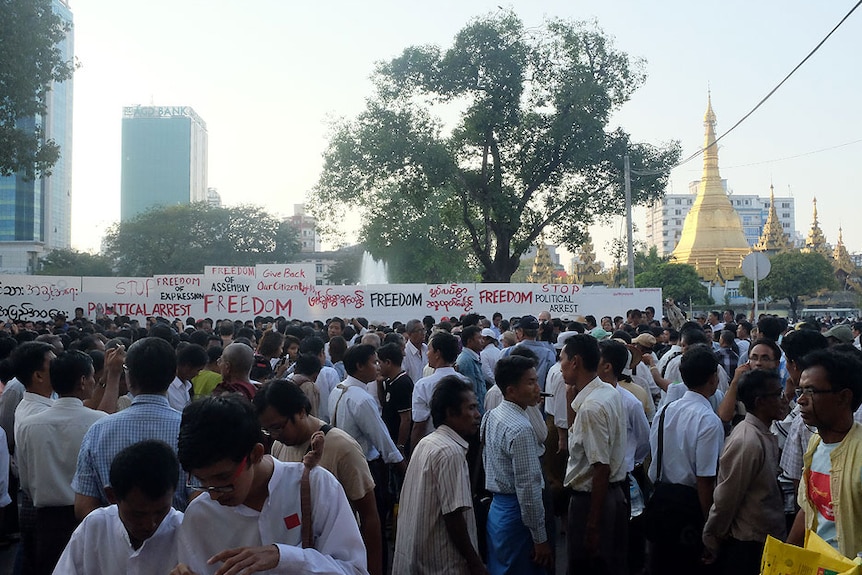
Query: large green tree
[30, 59]
[793, 276]
[74, 263]
[505, 135]
[185, 238]
[677, 281]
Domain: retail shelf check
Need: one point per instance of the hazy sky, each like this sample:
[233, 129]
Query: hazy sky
[268, 75]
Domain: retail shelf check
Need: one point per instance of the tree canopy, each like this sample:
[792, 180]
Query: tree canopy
[502, 136]
[677, 281]
[31, 59]
[74, 263]
[794, 275]
[185, 238]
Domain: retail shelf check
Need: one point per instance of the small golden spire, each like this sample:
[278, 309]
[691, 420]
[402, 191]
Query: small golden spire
[816, 241]
[772, 239]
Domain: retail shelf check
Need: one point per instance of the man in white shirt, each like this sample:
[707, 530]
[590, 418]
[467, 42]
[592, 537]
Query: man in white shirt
[692, 437]
[137, 534]
[31, 362]
[490, 355]
[48, 445]
[250, 514]
[191, 359]
[598, 512]
[416, 350]
[442, 354]
[327, 379]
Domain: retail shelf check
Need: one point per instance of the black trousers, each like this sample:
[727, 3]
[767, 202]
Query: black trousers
[54, 527]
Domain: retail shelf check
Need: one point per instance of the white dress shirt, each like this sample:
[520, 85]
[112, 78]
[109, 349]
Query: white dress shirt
[693, 438]
[490, 356]
[47, 448]
[31, 404]
[637, 429]
[355, 412]
[101, 545]
[423, 389]
[209, 527]
[178, 394]
[326, 381]
[414, 360]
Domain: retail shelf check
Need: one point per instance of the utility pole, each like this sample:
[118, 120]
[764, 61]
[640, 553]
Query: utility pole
[629, 238]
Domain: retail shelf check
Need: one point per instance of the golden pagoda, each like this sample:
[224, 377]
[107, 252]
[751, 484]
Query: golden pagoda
[586, 269]
[712, 237]
[772, 240]
[816, 241]
[845, 271]
[543, 267]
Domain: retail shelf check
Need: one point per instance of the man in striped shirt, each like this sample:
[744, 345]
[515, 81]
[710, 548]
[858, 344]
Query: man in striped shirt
[436, 524]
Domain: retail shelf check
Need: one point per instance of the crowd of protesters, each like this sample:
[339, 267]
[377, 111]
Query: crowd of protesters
[473, 445]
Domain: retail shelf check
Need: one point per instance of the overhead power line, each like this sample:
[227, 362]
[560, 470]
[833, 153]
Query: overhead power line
[762, 101]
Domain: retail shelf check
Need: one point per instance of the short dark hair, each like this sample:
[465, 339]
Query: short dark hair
[843, 370]
[771, 326]
[152, 364]
[357, 355]
[28, 358]
[446, 345]
[746, 325]
[776, 351]
[697, 365]
[448, 396]
[693, 336]
[192, 354]
[623, 335]
[754, 384]
[284, 396]
[149, 465]
[586, 347]
[337, 348]
[269, 343]
[311, 344]
[164, 332]
[215, 428]
[510, 369]
[307, 364]
[727, 336]
[797, 344]
[469, 333]
[616, 354]
[391, 352]
[67, 369]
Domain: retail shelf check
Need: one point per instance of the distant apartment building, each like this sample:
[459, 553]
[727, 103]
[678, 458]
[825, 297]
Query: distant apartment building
[665, 218]
[213, 198]
[36, 215]
[164, 158]
[306, 227]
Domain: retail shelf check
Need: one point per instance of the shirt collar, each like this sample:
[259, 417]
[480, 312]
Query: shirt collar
[453, 435]
[695, 396]
[36, 398]
[471, 354]
[68, 402]
[151, 398]
[581, 397]
[352, 381]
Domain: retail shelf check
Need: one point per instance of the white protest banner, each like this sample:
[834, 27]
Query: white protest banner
[38, 297]
[238, 292]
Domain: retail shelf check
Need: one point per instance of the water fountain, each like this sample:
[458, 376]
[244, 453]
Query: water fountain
[373, 272]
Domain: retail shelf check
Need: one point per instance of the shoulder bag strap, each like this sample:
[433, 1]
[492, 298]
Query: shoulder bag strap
[343, 389]
[660, 443]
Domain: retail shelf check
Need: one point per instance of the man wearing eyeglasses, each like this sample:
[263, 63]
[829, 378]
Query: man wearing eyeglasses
[747, 503]
[250, 514]
[283, 411]
[830, 493]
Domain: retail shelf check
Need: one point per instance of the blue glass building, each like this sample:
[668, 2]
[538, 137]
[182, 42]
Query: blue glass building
[164, 159]
[36, 215]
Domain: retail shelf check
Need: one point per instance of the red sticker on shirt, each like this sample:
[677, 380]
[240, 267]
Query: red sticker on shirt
[820, 494]
[291, 521]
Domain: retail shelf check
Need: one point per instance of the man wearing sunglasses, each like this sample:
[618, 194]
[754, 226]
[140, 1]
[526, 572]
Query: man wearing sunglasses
[249, 516]
[830, 493]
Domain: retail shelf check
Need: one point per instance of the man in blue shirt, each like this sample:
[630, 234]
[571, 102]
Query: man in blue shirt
[151, 367]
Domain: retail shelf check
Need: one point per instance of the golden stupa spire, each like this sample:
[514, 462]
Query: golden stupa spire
[841, 261]
[712, 231]
[816, 241]
[543, 267]
[773, 239]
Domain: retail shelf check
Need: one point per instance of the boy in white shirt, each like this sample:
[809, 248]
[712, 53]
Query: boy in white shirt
[249, 516]
[137, 534]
